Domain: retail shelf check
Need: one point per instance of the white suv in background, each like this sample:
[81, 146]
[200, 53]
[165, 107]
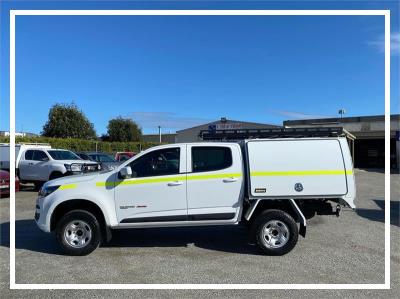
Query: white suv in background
[40, 165]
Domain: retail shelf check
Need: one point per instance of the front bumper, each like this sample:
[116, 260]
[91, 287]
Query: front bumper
[39, 216]
[42, 227]
[5, 188]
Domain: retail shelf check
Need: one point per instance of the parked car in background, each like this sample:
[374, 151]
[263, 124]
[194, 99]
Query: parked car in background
[105, 161]
[19, 150]
[38, 163]
[5, 183]
[124, 156]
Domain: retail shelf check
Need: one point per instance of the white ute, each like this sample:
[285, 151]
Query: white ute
[38, 163]
[270, 185]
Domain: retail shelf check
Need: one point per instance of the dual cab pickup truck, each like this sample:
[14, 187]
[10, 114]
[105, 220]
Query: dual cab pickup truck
[270, 185]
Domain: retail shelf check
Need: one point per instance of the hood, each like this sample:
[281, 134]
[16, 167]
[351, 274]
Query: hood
[76, 161]
[4, 174]
[110, 165]
[72, 179]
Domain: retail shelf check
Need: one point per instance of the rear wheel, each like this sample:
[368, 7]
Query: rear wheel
[78, 232]
[276, 232]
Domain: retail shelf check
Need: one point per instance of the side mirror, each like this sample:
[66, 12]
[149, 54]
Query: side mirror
[125, 172]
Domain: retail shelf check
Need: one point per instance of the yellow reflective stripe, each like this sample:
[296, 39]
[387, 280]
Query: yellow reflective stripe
[300, 173]
[147, 181]
[67, 186]
[169, 179]
[103, 184]
[214, 176]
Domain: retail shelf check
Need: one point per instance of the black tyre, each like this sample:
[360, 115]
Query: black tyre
[78, 232]
[276, 232]
[38, 185]
[55, 175]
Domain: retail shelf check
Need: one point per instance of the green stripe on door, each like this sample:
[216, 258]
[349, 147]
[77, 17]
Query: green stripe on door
[149, 181]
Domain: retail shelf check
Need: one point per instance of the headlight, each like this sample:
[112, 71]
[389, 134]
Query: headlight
[73, 167]
[108, 167]
[44, 191]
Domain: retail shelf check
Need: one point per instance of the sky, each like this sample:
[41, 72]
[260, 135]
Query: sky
[181, 71]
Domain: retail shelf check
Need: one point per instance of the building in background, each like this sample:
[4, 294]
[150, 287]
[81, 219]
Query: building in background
[18, 134]
[369, 145]
[193, 134]
[165, 138]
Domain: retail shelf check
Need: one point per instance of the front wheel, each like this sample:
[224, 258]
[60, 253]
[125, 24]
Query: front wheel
[78, 232]
[276, 232]
[38, 185]
[55, 175]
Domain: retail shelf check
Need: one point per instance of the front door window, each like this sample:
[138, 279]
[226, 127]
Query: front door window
[156, 163]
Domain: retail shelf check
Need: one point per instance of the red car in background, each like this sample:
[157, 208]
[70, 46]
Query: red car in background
[5, 183]
[123, 156]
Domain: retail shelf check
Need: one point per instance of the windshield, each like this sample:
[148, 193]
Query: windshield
[124, 157]
[102, 158]
[63, 155]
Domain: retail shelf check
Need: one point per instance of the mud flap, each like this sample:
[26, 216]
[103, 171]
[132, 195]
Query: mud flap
[302, 230]
[301, 218]
[107, 235]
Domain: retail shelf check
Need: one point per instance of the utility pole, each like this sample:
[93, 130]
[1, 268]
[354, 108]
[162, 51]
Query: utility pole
[341, 112]
[159, 133]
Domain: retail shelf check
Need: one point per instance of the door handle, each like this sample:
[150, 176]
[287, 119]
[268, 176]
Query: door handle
[30, 164]
[176, 183]
[229, 180]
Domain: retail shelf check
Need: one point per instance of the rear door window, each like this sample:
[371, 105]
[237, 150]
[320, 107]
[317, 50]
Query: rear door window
[210, 158]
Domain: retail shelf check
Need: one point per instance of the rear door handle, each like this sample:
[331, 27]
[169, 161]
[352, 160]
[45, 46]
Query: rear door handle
[176, 183]
[30, 164]
[229, 180]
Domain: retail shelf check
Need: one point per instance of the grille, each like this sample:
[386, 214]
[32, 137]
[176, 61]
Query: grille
[90, 167]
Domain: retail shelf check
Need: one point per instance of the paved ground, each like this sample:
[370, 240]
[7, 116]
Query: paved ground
[349, 249]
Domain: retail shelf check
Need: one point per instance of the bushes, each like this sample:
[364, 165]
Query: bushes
[84, 145]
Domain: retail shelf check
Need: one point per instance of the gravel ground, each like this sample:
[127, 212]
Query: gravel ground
[349, 249]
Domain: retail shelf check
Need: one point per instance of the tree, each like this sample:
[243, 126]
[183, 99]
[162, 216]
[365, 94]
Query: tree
[123, 129]
[67, 121]
[104, 137]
